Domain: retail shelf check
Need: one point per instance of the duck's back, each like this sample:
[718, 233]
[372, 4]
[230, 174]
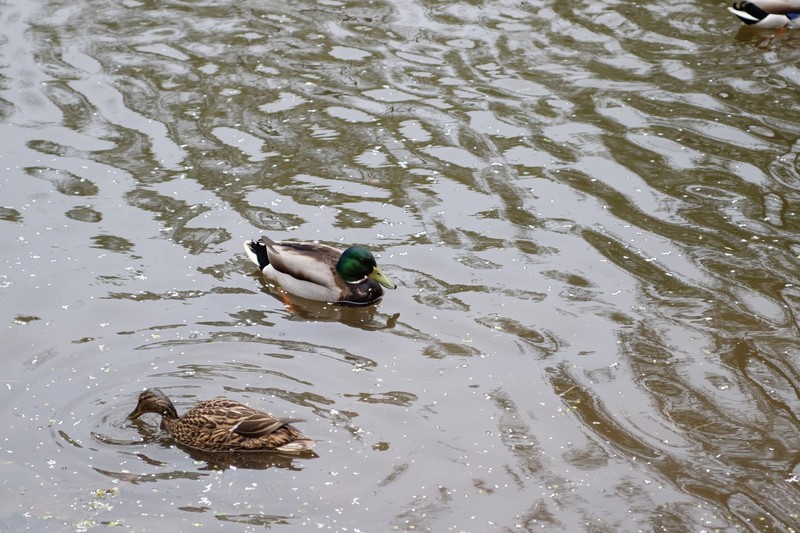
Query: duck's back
[222, 424]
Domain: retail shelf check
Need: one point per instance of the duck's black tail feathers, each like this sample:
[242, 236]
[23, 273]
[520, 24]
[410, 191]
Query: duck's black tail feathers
[257, 252]
[748, 12]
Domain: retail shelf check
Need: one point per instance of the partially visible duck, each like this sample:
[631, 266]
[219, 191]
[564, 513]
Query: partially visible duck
[320, 272]
[223, 425]
[768, 13]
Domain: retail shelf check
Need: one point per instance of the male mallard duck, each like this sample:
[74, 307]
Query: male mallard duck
[223, 425]
[320, 272]
[768, 13]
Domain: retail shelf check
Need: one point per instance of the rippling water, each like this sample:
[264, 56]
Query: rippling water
[591, 209]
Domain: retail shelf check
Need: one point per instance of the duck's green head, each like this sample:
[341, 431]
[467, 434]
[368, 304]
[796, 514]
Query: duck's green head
[357, 262]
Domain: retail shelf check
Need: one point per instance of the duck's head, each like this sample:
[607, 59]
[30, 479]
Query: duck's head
[154, 401]
[357, 263]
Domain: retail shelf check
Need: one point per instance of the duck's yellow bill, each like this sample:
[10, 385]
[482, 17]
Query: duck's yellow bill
[381, 278]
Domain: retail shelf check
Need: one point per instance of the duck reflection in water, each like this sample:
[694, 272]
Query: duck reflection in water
[301, 309]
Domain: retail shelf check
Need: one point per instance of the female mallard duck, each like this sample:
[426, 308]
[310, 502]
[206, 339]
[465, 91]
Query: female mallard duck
[768, 13]
[222, 425]
[320, 272]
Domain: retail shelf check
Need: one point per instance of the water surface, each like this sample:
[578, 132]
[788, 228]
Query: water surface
[591, 210]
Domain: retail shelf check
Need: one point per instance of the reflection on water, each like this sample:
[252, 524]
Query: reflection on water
[302, 309]
[591, 211]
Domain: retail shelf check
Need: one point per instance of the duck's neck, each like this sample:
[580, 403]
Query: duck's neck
[167, 411]
[169, 415]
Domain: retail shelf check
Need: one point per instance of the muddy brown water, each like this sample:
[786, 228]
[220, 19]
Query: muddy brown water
[591, 210]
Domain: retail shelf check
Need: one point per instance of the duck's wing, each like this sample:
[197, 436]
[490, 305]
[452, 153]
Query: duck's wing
[236, 417]
[306, 261]
[261, 424]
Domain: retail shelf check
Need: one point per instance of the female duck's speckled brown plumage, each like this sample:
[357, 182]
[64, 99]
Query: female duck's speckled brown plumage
[222, 425]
